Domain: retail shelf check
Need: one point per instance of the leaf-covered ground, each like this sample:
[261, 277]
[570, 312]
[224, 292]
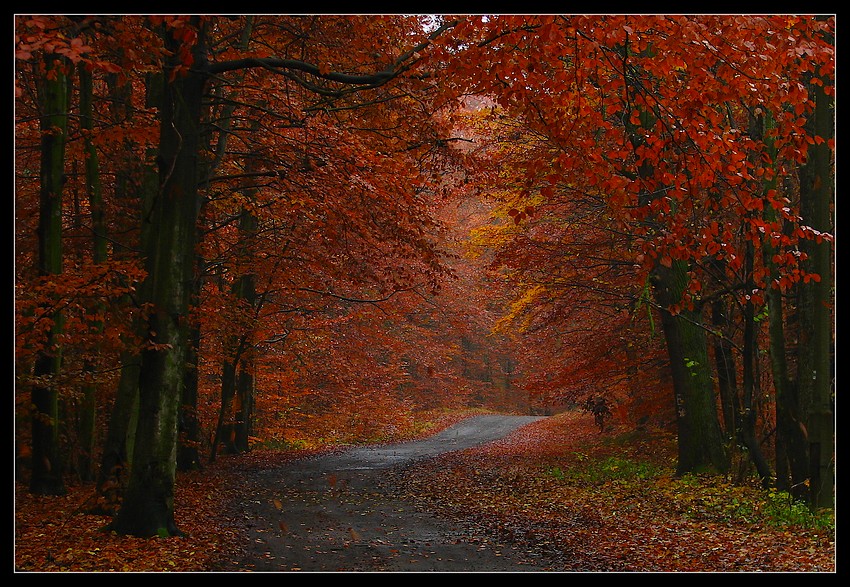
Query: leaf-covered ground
[583, 500]
[610, 502]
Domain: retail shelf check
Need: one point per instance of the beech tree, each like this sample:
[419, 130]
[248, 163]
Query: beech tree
[649, 114]
[147, 507]
[148, 502]
[816, 367]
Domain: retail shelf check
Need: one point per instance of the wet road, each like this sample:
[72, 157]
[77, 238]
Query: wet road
[334, 513]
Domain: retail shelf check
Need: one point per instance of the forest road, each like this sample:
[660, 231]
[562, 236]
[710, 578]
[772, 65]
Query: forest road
[337, 513]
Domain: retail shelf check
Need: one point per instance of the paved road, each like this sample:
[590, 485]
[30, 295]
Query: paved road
[334, 513]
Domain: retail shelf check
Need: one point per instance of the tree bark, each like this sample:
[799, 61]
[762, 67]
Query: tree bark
[245, 412]
[189, 430]
[789, 442]
[246, 293]
[86, 426]
[700, 442]
[727, 379]
[118, 445]
[53, 101]
[148, 506]
[700, 439]
[747, 425]
[815, 376]
[228, 389]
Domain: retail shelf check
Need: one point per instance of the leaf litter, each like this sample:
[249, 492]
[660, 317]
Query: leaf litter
[530, 490]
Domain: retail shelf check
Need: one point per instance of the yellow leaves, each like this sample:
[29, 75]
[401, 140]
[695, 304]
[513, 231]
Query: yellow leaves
[519, 307]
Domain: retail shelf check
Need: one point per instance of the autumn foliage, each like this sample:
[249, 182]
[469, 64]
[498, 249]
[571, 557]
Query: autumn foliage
[290, 231]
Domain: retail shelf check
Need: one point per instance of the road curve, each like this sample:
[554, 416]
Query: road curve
[334, 513]
[466, 434]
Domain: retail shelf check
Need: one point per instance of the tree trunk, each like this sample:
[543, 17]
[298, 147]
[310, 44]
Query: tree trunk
[700, 439]
[700, 442]
[727, 379]
[747, 426]
[791, 459]
[815, 376]
[148, 506]
[118, 445]
[228, 389]
[188, 426]
[86, 426]
[245, 413]
[237, 376]
[246, 291]
[189, 430]
[53, 102]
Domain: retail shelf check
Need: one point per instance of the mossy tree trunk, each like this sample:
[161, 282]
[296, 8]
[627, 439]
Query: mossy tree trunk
[148, 506]
[701, 447]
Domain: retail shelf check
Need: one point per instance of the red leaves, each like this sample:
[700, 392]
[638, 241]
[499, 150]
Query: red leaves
[58, 534]
[520, 215]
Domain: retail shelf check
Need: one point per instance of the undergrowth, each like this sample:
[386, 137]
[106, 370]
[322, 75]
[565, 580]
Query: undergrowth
[697, 497]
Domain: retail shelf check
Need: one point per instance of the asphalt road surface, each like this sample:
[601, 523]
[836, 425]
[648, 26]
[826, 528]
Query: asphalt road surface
[334, 513]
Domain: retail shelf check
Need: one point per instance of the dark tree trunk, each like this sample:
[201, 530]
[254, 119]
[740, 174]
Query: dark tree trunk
[701, 447]
[53, 101]
[118, 445]
[188, 426]
[747, 426]
[727, 379]
[87, 408]
[148, 506]
[815, 376]
[224, 427]
[189, 429]
[245, 411]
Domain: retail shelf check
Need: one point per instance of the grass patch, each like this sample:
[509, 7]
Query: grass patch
[710, 498]
[598, 471]
[282, 444]
[714, 497]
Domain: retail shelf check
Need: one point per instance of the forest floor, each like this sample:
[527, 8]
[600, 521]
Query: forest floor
[556, 495]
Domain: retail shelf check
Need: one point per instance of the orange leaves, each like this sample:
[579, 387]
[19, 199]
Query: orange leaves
[810, 233]
[549, 32]
[86, 299]
[47, 34]
[59, 535]
[74, 50]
